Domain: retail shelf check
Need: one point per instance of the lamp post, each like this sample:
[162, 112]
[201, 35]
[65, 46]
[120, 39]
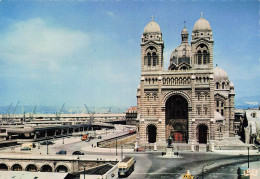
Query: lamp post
[47, 147]
[84, 170]
[38, 144]
[203, 168]
[248, 157]
[116, 147]
[121, 152]
[62, 139]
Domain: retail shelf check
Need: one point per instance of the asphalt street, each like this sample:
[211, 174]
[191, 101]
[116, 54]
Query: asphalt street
[151, 164]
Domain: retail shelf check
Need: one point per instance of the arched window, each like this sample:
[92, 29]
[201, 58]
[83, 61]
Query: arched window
[223, 85]
[217, 103]
[154, 59]
[217, 85]
[149, 59]
[205, 57]
[199, 57]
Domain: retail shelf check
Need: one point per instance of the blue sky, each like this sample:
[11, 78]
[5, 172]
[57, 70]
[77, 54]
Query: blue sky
[88, 52]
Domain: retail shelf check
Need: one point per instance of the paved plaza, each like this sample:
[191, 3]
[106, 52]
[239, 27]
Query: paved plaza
[150, 164]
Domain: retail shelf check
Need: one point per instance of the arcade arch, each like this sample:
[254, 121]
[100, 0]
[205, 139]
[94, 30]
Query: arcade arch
[31, 168]
[46, 168]
[62, 168]
[16, 167]
[3, 166]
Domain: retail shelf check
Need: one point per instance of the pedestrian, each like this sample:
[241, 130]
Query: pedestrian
[92, 145]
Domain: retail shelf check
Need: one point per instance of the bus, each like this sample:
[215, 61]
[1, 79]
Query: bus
[126, 166]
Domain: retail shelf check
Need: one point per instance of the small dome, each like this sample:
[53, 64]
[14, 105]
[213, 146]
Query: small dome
[184, 31]
[220, 74]
[201, 24]
[232, 85]
[152, 27]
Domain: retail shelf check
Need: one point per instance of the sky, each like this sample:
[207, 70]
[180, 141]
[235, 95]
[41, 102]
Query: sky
[88, 52]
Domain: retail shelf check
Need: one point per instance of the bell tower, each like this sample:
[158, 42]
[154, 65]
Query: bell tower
[202, 45]
[152, 46]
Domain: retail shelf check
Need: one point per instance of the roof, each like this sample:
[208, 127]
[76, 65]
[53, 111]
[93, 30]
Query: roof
[152, 27]
[220, 74]
[184, 31]
[218, 116]
[202, 25]
[183, 50]
[132, 109]
[100, 170]
[253, 115]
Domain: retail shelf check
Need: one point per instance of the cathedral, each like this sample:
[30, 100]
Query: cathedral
[191, 101]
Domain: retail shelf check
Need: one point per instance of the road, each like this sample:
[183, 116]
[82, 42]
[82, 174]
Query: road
[151, 164]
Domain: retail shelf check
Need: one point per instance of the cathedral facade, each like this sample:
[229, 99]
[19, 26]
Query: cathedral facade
[191, 102]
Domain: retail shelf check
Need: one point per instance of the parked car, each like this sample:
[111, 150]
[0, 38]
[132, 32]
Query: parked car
[91, 137]
[62, 152]
[87, 140]
[26, 148]
[100, 137]
[47, 143]
[77, 153]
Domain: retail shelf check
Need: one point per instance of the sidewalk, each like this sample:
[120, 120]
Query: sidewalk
[237, 152]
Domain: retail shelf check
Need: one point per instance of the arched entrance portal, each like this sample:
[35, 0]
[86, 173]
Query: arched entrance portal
[202, 131]
[152, 133]
[176, 113]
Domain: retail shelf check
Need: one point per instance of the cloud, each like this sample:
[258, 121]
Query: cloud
[251, 103]
[37, 44]
[109, 13]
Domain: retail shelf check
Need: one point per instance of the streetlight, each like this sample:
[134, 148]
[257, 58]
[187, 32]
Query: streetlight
[121, 152]
[47, 146]
[84, 170]
[203, 168]
[62, 139]
[116, 147]
[248, 157]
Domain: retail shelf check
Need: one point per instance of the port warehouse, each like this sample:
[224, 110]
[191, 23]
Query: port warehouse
[47, 125]
[109, 117]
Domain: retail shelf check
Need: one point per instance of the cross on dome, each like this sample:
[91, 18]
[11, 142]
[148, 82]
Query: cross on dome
[152, 17]
[201, 14]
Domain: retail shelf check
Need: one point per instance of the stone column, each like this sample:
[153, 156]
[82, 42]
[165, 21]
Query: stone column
[192, 112]
[142, 120]
[212, 106]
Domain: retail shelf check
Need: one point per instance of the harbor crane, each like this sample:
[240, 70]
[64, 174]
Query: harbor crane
[8, 114]
[91, 114]
[15, 109]
[58, 114]
[32, 114]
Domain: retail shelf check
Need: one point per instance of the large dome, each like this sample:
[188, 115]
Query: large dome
[201, 24]
[152, 27]
[220, 74]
